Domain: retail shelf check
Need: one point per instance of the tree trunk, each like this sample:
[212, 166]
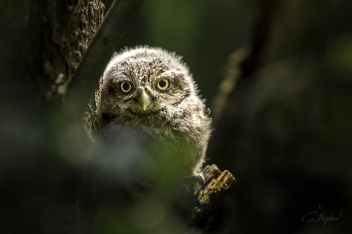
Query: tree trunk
[44, 42]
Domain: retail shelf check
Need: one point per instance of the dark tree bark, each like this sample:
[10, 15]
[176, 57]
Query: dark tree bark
[68, 29]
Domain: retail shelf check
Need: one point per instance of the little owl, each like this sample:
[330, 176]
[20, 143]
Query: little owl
[151, 91]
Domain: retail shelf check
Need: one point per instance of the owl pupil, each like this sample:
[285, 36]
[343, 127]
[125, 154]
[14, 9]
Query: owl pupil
[162, 84]
[126, 86]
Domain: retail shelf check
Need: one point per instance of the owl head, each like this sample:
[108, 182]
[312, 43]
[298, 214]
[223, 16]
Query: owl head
[144, 80]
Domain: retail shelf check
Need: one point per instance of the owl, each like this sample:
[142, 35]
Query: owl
[151, 91]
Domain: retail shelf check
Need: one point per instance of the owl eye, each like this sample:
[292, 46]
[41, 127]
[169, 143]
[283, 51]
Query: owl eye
[163, 84]
[125, 87]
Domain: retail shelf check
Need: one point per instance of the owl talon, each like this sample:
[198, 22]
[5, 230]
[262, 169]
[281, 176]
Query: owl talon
[194, 184]
[200, 179]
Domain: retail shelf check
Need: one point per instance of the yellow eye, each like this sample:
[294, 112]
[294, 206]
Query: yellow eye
[125, 87]
[163, 84]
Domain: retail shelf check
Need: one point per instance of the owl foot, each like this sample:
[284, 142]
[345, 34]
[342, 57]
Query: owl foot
[200, 179]
[192, 180]
[194, 184]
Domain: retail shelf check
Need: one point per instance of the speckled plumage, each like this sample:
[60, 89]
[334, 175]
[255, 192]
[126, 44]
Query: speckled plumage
[175, 117]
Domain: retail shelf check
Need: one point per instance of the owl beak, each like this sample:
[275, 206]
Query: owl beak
[144, 100]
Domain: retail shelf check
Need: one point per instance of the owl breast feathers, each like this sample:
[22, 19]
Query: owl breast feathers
[152, 91]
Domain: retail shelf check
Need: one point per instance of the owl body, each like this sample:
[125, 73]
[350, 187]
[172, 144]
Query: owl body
[151, 91]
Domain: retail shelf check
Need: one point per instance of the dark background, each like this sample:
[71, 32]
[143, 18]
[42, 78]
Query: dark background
[203, 34]
[282, 126]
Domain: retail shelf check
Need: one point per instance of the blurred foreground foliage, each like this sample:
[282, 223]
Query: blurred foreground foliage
[284, 129]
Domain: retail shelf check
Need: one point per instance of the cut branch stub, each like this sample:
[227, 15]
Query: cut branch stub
[217, 184]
